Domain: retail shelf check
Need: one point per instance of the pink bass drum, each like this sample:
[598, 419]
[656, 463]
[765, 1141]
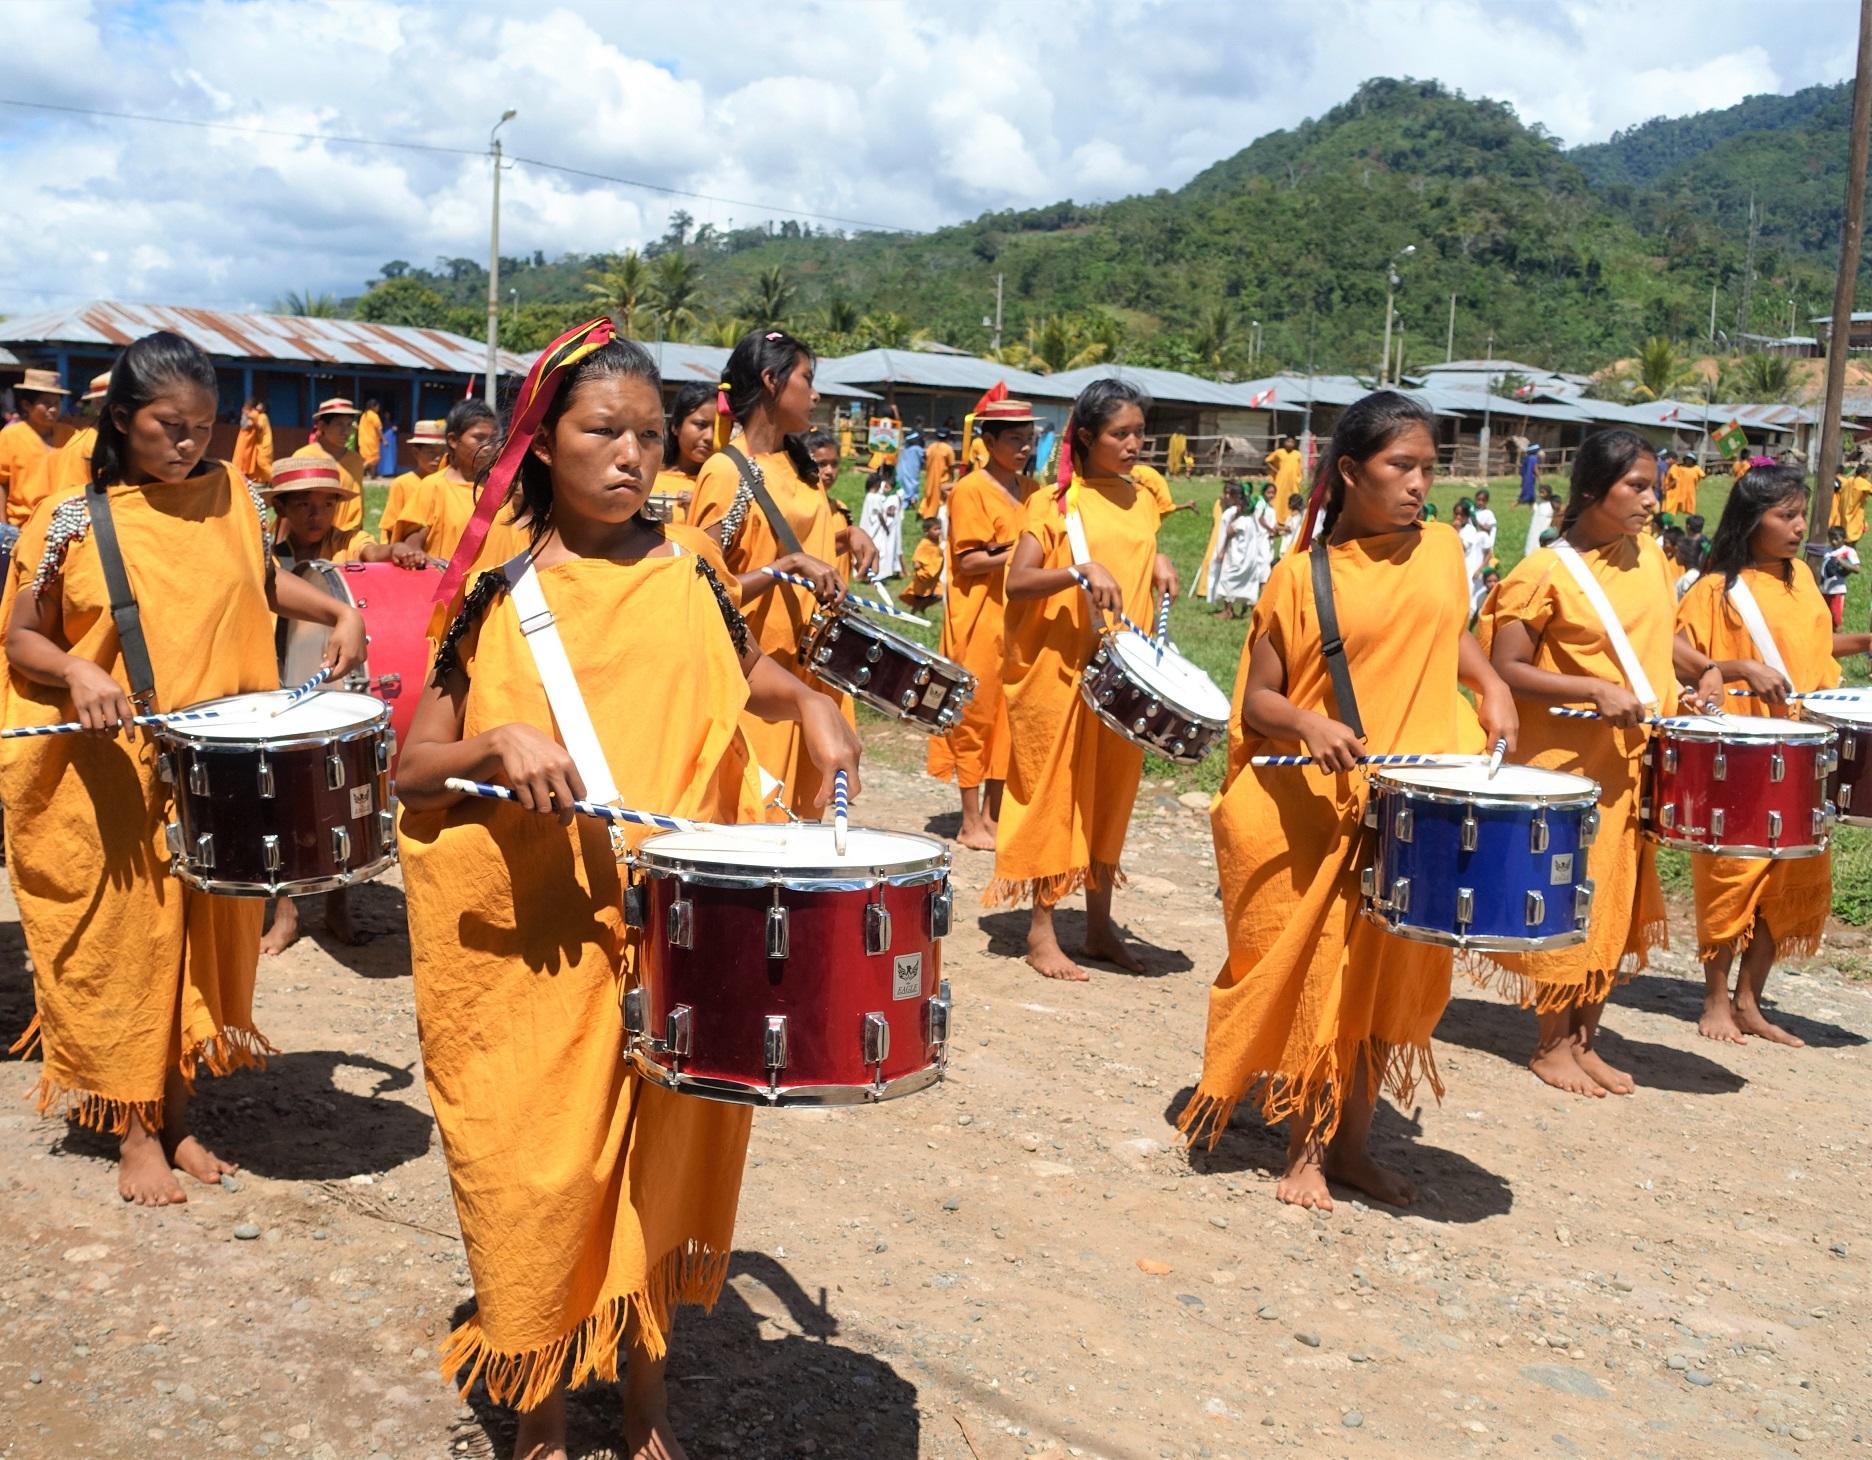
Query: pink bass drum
[776, 972]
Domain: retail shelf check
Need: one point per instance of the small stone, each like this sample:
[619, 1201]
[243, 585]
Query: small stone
[1264, 1311]
[882, 1247]
[1195, 800]
[1219, 1222]
[1030, 1143]
[954, 1204]
[1311, 1340]
[1702, 1381]
[1678, 1362]
[319, 1234]
[1800, 1434]
[35, 1377]
[228, 1183]
[1189, 1300]
[164, 1386]
[1838, 1249]
[90, 1252]
[965, 1120]
[1567, 1381]
[246, 1231]
[1351, 1419]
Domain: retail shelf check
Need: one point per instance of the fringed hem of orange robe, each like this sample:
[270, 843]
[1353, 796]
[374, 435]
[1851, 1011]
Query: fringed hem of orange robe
[1051, 891]
[1794, 899]
[524, 1379]
[232, 1049]
[1314, 1097]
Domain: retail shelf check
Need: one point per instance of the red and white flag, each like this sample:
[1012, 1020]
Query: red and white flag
[1264, 398]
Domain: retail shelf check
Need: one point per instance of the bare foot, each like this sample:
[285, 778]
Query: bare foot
[1606, 1076]
[1109, 947]
[541, 1435]
[1357, 1169]
[143, 1174]
[1750, 1020]
[980, 836]
[1718, 1020]
[1050, 961]
[338, 917]
[197, 1160]
[650, 1436]
[1303, 1184]
[285, 930]
[1558, 1065]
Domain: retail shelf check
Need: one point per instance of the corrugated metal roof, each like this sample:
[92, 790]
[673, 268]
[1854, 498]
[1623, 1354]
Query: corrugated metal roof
[281, 337]
[8, 360]
[680, 362]
[1460, 400]
[919, 369]
[1163, 385]
[1485, 367]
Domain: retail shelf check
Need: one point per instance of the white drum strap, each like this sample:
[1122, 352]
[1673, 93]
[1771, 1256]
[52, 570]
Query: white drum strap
[1622, 650]
[1076, 540]
[555, 671]
[1743, 598]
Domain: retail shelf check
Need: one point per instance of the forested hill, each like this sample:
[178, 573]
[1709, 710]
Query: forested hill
[1569, 259]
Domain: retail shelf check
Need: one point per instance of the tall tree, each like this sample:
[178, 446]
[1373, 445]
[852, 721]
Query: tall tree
[675, 295]
[306, 304]
[1658, 371]
[620, 288]
[771, 299]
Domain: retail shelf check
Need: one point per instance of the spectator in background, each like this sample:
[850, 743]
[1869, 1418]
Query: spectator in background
[910, 466]
[1697, 542]
[926, 568]
[1540, 519]
[1850, 491]
[938, 471]
[370, 437]
[1839, 564]
[1286, 466]
[1530, 470]
[387, 456]
[1485, 524]
[881, 516]
[253, 445]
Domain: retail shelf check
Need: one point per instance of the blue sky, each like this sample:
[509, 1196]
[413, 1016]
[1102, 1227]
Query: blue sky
[910, 113]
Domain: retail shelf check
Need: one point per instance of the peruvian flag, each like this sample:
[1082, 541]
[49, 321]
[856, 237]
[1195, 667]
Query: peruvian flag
[1264, 398]
[1674, 414]
[1525, 392]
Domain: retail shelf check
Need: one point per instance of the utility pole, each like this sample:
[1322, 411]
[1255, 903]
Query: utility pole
[1839, 332]
[493, 328]
[1483, 442]
[1449, 345]
[1748, 269]
[999, 278]
[1397, 372]
[1390, 294]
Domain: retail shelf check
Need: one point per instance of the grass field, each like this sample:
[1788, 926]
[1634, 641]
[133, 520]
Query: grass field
[1215, 643]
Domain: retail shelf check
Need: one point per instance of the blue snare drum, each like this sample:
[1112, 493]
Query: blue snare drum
[1468, 862]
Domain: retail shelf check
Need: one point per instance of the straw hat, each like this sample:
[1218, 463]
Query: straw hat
[307, 474]
[1006, 413]
[336, 406]
[429, 433]
[42, 382]
[99, 384]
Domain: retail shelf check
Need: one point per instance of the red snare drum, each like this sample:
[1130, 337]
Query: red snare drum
[776, 972]
[395, 603]
[1849, 715]
[886, 670]
[1739, 786]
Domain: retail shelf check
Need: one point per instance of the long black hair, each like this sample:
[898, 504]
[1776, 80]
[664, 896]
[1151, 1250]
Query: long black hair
[1749, 501]
[532, 490]
[1368, 425]
[1093, 410]
[758, 353]
[1604, 459]
[151, 365]
[691, 398]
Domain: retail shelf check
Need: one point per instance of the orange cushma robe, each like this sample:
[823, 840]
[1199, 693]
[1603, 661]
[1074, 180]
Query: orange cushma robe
[1209, 552]
[135, 974]
[1680, 489]
[938, 467]
[402, 486]
[253, 449]
[1792, 896]
[779, 616]
[1311, 990]
[1286, 466]
[351, 467]
[370, 438]
[23, 449]
[981, 515]
[586, 1196]
[1071, 782]
[1628, 918]
[443, 504]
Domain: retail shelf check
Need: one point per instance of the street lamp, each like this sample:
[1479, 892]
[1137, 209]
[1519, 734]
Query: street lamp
[1391, 283]
[493, 328]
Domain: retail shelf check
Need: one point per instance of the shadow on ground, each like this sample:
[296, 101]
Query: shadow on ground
[1502, 1029]
[1683, 998]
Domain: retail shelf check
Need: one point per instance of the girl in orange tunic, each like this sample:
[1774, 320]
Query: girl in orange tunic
[984, 521]
[1548, 642]
[1760, 907]
[1071, 782]
[689, 442]
[591, 1202]
[140, 980]
[1317, 1006]
[767, 391]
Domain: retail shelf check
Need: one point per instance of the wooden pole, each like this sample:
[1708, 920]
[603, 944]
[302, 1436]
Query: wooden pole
[1839, 333]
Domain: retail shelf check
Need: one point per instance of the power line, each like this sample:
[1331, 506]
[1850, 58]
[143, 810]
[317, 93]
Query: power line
[246, 129]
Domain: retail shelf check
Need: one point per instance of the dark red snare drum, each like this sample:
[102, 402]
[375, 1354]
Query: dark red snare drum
[885, 670]
[776, 972]
[1739, 786]
[1849, 715]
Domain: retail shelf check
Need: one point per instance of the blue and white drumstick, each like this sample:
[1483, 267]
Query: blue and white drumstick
[1293, 760]
[583, 808]
[1162, 637]
[868, 604]
[1811, 694]
[300, 693]
[73, 727]
[1119, 614]
[1567, 712]
[1495, 757]
[841, 812]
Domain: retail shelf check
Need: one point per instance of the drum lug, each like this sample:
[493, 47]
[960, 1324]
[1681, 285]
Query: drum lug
[1471, 831]
[1589, 827]
[1107, 695]
[634, 1018]
[679, 1032]
[165, 767]
[1777, 765]
[1582, 904]
[1667, 817]
[1823, 817]
[774, 1047]
[1845, 798]
[198, 778]
[1137, 725]
[386, 827]
[1537, 832]
[386, 748]
[270, 853]
[204, 849]
[823, 655]
[1178, 749]
[636, 905]
[922, 676]
[1716, 822]
[936, 1018]
[172, 834]
[834, 630]
[907, 699]
[681, 929]
[1670, 758]
[1400, 895]
[941, 910]
[1371, 813]
[1848, 747]
[777, 922]
[1536, 909]
[1719, 767]
[1368, 883]
[876, 1039]
[1465, 906]
[1403, 825]
[334, 772]
[1774, 828]
[341, 846]
[877, 928]
[874, 653]
[862, 678]
[266, 778]
[1153, 708]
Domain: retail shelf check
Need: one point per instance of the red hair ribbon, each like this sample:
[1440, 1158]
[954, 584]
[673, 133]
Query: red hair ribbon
[536, 395]
[1315, 500]
[1065, 475]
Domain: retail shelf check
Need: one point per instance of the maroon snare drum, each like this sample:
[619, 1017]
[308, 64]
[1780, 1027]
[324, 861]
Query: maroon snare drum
[886, 670]
[1849, 715]
[1739, 786]
[776, 972]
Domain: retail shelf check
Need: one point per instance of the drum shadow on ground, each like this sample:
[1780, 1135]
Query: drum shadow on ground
[1507, 1031]
[379, 923]
[1683, 998]
[745, 1380]
[16, 985]
[1007, 936]
[946, 825]
[1450, 1187]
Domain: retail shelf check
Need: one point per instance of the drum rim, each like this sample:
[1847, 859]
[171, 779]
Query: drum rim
[297, 887]
[1836, 721]
[1484, 943]
[1388, 776]
[735, 1092]
[183, 735]
[844, 616]
[1108, 645]
[1684, 727]
[808, 878]
[1743, 849]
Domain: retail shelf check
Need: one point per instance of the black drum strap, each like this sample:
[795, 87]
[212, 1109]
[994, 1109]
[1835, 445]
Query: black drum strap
[750, 478]
[1331, 645]
[123, 605]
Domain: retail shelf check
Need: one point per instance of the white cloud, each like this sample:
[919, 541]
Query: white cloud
[894, 111]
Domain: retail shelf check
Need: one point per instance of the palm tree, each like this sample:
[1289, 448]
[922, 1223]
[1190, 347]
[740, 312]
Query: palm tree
[1215, 334]
[1658, 371]
[620, 287]
[1056, 342]
[841, 316]
[307, 305]
[674, 293]
[887, 330]
[725, 329]
[1757, 377]
[771, 298]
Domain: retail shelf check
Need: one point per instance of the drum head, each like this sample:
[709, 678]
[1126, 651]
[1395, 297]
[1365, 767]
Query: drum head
[765, 848]
[1511, 782]
[1742, 727]
[253, 717]
[1852, 707]
[1171, 677]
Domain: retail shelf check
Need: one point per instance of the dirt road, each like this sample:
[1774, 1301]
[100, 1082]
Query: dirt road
[1022, 1261]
